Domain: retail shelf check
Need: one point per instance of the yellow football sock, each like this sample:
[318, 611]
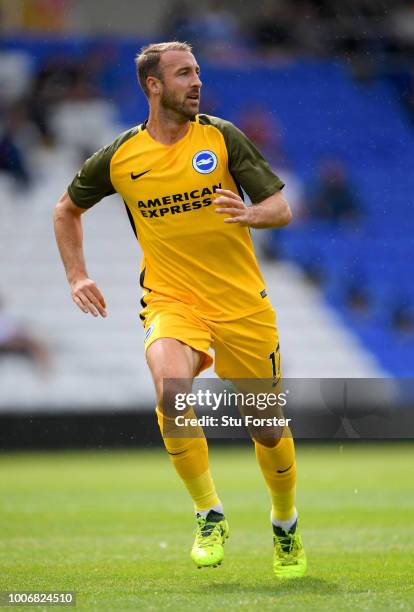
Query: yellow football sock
[278, 466]
[190, 459]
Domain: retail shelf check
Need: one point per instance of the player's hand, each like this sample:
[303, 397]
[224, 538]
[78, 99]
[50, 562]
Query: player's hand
[88, 298]
[231, 204]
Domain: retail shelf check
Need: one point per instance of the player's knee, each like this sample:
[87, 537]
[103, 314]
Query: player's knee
[172, 396]
[266, 438]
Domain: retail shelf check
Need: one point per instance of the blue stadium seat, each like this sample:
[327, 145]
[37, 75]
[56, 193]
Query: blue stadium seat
[322, 111]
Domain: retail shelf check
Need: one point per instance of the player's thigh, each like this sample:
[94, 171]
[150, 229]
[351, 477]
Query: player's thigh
[247, 353]
[175, 361]
[248, 348]
[176, 345]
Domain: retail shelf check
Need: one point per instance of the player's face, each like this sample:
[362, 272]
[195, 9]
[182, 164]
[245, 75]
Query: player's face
[180, 83]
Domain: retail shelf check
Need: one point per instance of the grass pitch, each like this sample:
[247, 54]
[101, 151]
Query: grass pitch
[116, 527]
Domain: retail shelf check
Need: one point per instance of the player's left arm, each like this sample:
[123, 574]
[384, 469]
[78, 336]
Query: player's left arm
[252, 172]
[273, 211]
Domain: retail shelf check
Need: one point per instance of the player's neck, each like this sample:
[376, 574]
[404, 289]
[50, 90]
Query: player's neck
[167, 128]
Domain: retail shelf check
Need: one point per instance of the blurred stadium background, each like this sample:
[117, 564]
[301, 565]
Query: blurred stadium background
[325, 89]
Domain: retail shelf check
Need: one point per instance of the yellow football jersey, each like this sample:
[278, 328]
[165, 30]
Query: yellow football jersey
[190, 254]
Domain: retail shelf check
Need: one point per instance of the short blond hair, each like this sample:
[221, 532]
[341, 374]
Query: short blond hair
[148, 60]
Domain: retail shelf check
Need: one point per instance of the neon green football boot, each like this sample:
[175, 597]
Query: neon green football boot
[289, 560]
[211, 533]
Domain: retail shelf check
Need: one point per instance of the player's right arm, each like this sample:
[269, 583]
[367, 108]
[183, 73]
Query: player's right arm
[90, 185]
[69, 238]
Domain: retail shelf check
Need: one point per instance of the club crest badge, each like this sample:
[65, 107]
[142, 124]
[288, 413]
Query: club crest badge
[205, 161]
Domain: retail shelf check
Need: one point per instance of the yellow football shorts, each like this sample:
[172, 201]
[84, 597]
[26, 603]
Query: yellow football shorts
[243, 348]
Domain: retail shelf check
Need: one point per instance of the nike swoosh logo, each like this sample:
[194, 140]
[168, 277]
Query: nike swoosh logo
[134, 177]
[283, 471]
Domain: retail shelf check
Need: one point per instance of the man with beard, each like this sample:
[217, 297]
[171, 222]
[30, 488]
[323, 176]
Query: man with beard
[180, 175]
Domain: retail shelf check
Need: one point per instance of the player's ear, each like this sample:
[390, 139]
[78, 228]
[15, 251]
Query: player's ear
[154, 85]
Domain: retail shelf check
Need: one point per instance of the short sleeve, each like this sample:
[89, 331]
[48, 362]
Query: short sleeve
[248, 166]
[93, 182]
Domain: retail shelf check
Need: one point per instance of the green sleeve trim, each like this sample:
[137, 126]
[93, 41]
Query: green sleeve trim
[93, 181]
[246, 164]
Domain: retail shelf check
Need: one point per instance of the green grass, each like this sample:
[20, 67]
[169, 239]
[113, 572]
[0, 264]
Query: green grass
[116, 527]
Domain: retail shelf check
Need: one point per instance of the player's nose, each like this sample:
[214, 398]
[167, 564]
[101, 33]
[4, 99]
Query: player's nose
[197, 82]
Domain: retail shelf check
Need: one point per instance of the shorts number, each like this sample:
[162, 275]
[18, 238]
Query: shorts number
[275, 359]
